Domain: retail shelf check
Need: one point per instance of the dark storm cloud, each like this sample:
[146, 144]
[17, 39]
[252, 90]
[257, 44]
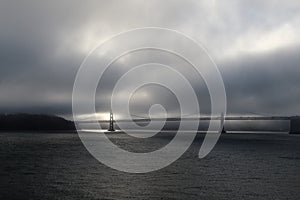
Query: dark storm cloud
[266, 84]
[255, 44]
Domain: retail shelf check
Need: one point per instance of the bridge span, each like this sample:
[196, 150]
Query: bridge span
[294, 120]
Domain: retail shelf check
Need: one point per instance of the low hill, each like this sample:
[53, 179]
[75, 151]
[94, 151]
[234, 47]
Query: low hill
[32, 122]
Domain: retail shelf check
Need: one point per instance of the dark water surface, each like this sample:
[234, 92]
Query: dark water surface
[241, 166]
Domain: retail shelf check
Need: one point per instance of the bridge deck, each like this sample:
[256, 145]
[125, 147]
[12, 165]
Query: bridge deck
[237, 118]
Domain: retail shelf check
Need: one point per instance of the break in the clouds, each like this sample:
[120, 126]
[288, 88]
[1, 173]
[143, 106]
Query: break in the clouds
[255, 44]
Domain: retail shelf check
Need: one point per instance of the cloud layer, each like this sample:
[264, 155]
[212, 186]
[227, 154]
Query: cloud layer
[254, 43]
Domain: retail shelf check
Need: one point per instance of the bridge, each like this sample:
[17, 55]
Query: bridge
[294, 120]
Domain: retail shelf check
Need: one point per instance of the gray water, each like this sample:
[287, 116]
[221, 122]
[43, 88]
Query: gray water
[241, 166]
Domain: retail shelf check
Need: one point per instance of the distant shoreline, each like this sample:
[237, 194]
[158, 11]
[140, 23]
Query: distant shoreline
[34, 123]
[40, 131]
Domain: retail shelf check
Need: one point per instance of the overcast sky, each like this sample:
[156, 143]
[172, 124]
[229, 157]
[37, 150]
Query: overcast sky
[254, 43]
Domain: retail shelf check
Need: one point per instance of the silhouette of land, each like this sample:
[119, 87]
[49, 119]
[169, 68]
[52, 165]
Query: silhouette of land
[33, 122]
